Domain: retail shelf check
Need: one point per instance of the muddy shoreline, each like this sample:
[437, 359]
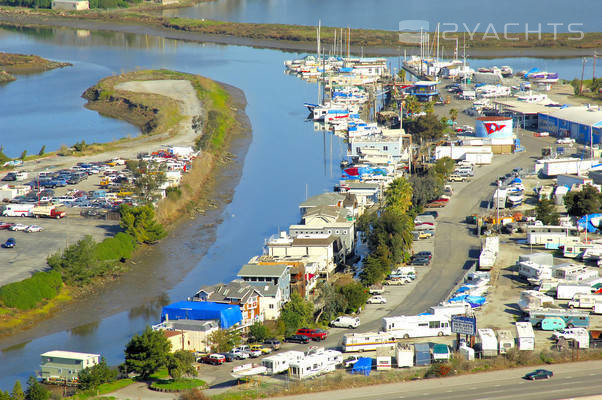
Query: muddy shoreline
[157, 269]
[22, 20]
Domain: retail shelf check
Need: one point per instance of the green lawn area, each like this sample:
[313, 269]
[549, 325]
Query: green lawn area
[103, 389]
[178, 384]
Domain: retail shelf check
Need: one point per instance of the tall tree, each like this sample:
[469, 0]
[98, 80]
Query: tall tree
[453, 114]
[223, 340]
[17, 393]
[140, 223]
[35, 391]
[180, 364]
[546, 212]
[585, 201]
[92, 377]
[146, 353]
[398, 195]
[297, 313]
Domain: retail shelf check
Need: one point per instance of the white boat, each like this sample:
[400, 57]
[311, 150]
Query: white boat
[488, 91]
[514, 200]
[245, 370]
[506, 71]
[543, 77]
[533, 98]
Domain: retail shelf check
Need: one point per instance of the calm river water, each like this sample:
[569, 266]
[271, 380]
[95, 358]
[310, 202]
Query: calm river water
[468, 15]
[285, 155]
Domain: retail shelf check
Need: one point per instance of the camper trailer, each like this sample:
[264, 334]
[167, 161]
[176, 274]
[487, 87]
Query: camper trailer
[505, 341]
[489, 346]
[569, 317]
[369, 341]
[585, 301]
[450, 309]
[404, 355]
[567, 292]
[525, 336]
[316, 362]
[404, 327]
[281, 362]
[530, 270]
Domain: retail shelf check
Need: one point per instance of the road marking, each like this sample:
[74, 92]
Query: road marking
[497, 385]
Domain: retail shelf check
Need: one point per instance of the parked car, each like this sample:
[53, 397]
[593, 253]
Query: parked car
[377, 300]
[539, 374]
[570, 333]
[11, 176]
[9, 244]
[424, 254]
[274, 344]
[262, 349]
[421, 261]
[457, 178]
[254, 353]
[395, 282]
[297, 339]
[5, 225]
[542, 134]
[229, 357]
[34, 228]
[345, 322]
[313, 334]
[18, 227]
[215, 359]
[239, 353]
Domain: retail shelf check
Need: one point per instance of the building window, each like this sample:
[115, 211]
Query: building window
[271, 306]
[345, 232]
[385, 148]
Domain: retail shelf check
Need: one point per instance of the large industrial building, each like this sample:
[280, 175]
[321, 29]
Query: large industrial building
[584, 123]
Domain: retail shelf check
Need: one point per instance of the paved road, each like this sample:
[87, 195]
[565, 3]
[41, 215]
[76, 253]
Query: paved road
[569, 381]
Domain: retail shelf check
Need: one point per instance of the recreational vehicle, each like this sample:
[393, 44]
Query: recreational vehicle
[585, 301]
[417, 326]
[489, 346]
[369, 341]
[450, 309]
[567, 292]
[281, 362]
[316, 362]
[525, 336]
[505, 341]
[552, 236]
[571, 318]
[529, 270]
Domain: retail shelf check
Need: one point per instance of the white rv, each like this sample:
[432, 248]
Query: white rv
[316, 362]
[568, 292]
[489, 346]
[369, 341]
[585, 301]
[417, 326]
[532, 300]
[530, 270]
[525, 336]
[505, 341]
[450, 309]
[281, 362]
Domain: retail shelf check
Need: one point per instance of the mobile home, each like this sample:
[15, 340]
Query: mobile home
[417, 326]
[530, 270]
[567, 291]
[370, 341]
[525, 336]
[489, 346]
[505, 341]
[576, 250]
[571, 318]
[552, 236]
[281, 362]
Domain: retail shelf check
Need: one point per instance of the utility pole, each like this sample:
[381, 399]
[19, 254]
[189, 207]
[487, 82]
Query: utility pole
[594, 68]
[582, 72]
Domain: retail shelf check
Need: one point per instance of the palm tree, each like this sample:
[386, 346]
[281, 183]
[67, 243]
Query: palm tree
[453, 114]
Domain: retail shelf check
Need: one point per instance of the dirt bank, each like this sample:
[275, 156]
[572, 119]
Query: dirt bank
[154, 26]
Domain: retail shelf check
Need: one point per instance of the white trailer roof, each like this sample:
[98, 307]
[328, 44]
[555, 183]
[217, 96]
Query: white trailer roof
[70, 355]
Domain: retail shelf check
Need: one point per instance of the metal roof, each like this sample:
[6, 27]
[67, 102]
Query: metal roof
[582, 115]
[263, 270]
[69, 354]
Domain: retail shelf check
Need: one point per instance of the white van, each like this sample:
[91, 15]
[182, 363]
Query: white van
[346, 322]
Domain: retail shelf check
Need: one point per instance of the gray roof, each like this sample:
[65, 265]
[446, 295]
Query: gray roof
[361, 185]
[267, 290]
[262, 270]
[324, 199]
[193, 325]
[319, 242]
[237, 290]
[581, 115]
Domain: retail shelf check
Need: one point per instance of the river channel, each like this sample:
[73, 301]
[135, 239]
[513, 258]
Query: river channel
[285, 160]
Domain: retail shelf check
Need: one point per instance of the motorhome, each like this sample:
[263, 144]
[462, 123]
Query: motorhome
[404, 355]
[417, 326]
[533, 300]
[281, 362]
[576, 250]
[585, 301]
[369, 341]
[488, 341]
[316, 362]
[570, 317]
[525, 336]
[530, 270]
[505, 341]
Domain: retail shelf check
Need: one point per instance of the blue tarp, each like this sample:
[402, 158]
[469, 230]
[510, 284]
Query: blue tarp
[585, 222]
[362, 366]
[227, 314]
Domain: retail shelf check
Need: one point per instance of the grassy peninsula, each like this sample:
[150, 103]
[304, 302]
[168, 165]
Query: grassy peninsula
[79, 269]
[25, 64]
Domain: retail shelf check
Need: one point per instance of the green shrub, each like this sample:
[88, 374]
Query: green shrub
[26, 294]
[115, 248]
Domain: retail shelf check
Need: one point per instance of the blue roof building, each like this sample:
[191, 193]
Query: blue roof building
[425, 90]
[228, 315]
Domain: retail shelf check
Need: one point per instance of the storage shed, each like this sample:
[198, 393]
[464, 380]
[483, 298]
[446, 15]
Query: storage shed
[422, 353]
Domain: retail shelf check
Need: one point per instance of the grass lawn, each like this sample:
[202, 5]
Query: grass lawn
[177, 384]
[103, 389]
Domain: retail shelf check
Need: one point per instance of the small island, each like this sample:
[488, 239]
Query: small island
[25, 64]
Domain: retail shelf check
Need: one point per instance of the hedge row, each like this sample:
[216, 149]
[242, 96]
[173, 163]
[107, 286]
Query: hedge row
[121, 246]
[26, 294]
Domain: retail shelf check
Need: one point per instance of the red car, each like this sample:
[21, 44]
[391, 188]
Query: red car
[215, 359]
[313, 334]
[436, 204]
[5, 225]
